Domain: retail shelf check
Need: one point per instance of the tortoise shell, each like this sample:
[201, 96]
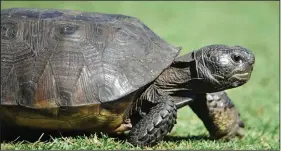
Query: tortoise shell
[61, 59]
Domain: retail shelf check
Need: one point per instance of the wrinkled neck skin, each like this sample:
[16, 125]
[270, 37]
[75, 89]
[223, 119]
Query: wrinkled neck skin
[173, 79]
[188, 73]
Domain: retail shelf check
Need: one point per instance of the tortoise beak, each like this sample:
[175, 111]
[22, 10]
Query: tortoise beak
[241, 76]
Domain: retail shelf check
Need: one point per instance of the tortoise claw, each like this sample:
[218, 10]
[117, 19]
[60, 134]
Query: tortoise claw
[241, 124]
[239, 133]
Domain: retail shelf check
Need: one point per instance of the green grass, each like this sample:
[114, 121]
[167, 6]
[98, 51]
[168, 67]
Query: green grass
[254, 25]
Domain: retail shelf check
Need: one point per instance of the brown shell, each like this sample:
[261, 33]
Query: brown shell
[52, 58]
[75, 70]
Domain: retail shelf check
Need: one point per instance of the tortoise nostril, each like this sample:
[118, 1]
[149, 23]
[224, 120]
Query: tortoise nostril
[236, 58]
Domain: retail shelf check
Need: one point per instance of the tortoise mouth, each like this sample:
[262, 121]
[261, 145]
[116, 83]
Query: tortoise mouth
[241, 76]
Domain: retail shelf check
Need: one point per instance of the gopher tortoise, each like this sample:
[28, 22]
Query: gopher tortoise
[69, 70]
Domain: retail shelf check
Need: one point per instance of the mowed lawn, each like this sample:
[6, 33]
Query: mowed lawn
[254, 25]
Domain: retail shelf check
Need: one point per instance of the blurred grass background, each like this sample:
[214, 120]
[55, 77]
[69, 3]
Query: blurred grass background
[190, 24]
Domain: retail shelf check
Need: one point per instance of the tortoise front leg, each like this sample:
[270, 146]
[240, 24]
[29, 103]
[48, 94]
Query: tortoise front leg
[219, 115]
[153, 126]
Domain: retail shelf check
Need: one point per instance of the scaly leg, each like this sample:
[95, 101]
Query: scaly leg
[219, 115]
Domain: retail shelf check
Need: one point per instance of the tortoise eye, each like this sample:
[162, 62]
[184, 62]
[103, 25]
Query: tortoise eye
[236, 58]
[68, 29]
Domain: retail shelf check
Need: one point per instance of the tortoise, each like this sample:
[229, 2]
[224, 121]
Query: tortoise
[87, 71]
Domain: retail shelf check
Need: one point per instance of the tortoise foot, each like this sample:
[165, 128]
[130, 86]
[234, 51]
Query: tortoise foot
[155, 125]
[237, 131]
[219, 115]
[226, 119]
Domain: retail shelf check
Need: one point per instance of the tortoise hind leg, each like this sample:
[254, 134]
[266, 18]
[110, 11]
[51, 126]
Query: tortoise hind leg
[219, 115]
[153, 126]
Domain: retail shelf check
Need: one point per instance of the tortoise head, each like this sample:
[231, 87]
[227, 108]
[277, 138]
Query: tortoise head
[224, 67]
[210, 69]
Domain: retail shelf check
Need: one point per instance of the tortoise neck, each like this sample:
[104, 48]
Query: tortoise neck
[188, 73]
[176, 77]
